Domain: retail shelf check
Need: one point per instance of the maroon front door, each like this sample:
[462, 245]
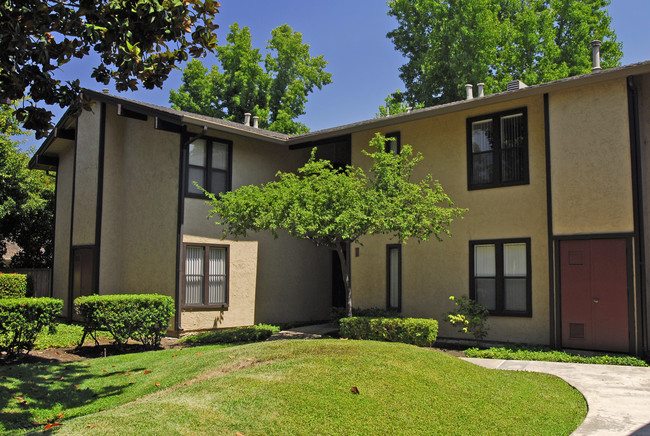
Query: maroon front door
[594, 288]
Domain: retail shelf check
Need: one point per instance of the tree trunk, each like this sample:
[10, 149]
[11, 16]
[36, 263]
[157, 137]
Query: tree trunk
[345, 272]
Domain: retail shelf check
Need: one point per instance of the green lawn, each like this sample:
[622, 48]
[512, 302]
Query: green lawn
[287, 387]
[67, 335]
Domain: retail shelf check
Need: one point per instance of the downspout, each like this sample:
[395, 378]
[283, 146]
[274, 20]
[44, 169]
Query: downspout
[641, 311]
[553, 303]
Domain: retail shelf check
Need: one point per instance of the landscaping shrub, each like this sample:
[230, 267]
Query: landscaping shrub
[22, 319]
[415, 331]
[469, 317]
[547, 355]
[143, 317]
[373, 312]
[13, 285]
[255, 333]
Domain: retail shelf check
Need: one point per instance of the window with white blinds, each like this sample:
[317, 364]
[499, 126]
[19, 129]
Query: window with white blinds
[206, 275]
[394, 277]
[497, 149]
[501, 276]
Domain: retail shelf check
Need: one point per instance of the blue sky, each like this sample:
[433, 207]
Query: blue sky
[351, 35]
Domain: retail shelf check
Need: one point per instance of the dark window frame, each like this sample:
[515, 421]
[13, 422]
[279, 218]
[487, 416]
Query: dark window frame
[499, 279]
[398, 140]
[206, 275]
[497, 174]
[207, 169]
[390, 247]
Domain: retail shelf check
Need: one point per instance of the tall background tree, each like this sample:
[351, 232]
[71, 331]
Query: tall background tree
[448, 43]
[26, 200]
[137, 40]
[274, 87]
[333, 207]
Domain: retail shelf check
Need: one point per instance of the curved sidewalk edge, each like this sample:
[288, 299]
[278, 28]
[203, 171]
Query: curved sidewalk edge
[618, 396]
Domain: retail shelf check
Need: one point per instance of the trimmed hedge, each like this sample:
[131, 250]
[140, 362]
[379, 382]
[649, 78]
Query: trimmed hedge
[372, 312]
[22, 319]
[142, 317]
[13, 285]
[416, 331]
[255, 333]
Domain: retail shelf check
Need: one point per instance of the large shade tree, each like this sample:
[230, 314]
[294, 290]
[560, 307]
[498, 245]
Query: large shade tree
[333, 207]
[274, 87]
[448, 43]
[136, 40]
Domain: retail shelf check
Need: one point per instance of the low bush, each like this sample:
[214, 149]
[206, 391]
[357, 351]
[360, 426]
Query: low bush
[22, 319]
[469, 317]
[372, 312]
[415, 331]
[142, 317]
[13, 285]
[546, 355]
[255, 333]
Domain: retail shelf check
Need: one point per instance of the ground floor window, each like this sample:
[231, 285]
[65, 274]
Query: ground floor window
[500, 275]
[205, 278]
[394, 277]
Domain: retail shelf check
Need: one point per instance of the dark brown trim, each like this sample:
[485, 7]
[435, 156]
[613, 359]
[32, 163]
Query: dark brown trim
[495, 117]
[44, 162]
[70, 253]
[130, 113]
[500, 278]
[162, 124]
[180, 217]
[312, 144]
[390, 247]
[208, 166]
[206, 275]
[587, 236]
[100, 196]
[642, 344]
[61, 133]
[553, 302]
[56, 196]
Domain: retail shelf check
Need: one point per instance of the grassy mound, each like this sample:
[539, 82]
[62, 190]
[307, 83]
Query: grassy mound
[288, 387]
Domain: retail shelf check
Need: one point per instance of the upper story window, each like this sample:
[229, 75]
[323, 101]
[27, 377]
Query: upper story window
[393, 143]
[209, 164]
[500, 276]
[497, 149]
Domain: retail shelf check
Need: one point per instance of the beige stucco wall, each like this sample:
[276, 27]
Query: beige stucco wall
[140, 194]
[64, 177]
[432, 271]
[590, 159]
[85, 193]
[289, 280]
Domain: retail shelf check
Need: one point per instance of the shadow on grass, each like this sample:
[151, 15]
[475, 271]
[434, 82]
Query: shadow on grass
[31, 395]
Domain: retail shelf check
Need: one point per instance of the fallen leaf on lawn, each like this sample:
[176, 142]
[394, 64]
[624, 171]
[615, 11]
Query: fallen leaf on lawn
[344, 339]
[105, 370]
[198, 354]
[91, 426]
[58, 352]
[175, 355]
[49, 426]
[147, 372]
[157, 384]
[75, 385]
[239, 434]
[19, 398]
[59, 416]
[62, 378]
[22, 403]
[231, 357]
[354, 390]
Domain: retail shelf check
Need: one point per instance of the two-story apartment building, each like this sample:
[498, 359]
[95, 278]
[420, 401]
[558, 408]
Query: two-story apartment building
[554, 241]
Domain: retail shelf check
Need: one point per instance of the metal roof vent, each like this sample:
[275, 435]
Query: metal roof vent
[481, 91]
[595, 54]
[469, 91]
[256, 121]
[514, 85]
[247, 119]
[105, 91]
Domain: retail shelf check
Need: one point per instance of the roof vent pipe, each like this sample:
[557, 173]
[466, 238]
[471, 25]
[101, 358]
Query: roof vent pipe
[470, 93]
[595, 55]
[105, 91]
[247, 119]
[256, 120]
[480, 89]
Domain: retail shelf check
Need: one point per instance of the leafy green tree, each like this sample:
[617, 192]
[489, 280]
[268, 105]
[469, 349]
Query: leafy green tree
[449, 43]
[26, 200]
[137, 40]
[333, 207]
[274, 88]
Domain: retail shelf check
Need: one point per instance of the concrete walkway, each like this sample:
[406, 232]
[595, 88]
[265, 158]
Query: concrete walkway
[618, 396]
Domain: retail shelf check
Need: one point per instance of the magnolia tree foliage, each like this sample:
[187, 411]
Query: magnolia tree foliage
[448, 43]
[274, 87]
[333, 207]
[136, 40]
